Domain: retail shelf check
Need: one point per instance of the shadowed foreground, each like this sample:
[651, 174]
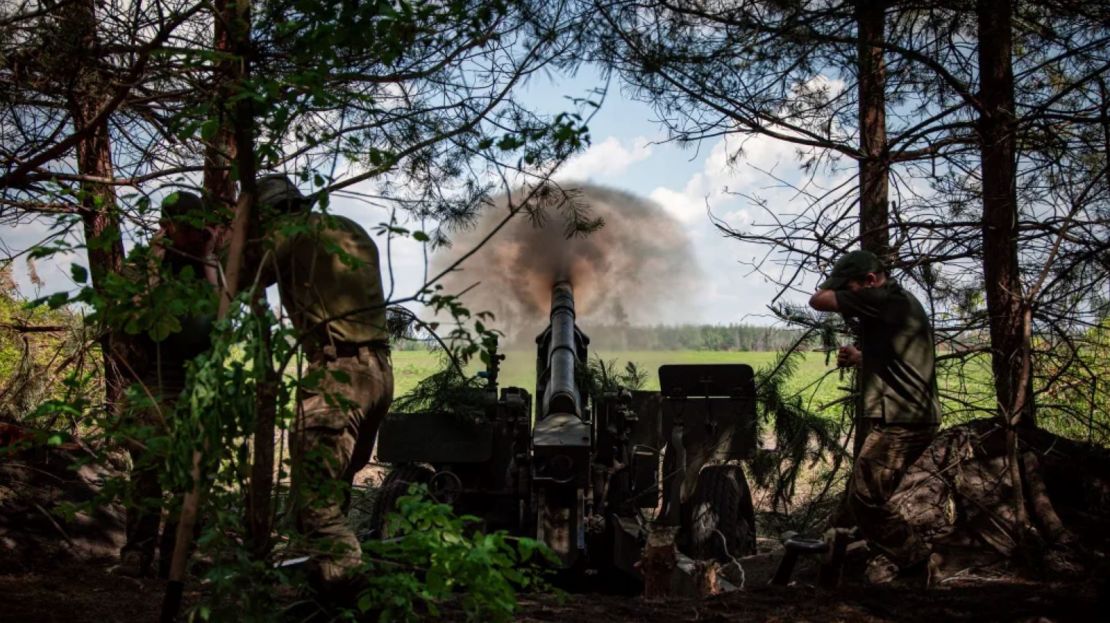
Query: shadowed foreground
[87, 593]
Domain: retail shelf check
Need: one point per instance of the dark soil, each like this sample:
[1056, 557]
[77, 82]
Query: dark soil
[980, 602]
[77, 593]
[88, 592]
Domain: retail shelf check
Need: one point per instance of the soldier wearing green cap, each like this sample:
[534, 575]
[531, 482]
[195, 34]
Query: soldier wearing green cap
[329, 280]
[896, 358]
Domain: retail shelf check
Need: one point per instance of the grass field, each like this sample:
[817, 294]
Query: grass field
[965, 393]
[519, 368]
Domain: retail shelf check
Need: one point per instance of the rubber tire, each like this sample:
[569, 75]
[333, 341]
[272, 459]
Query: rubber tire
[721, 503]
[394, 486]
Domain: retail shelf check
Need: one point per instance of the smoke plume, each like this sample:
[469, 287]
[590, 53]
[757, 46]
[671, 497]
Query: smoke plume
[638, 268]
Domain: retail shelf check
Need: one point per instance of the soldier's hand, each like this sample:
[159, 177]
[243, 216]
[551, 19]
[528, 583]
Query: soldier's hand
[848, 357]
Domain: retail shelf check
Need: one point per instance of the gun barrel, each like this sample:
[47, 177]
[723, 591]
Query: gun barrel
[562, 392]
[561, 436]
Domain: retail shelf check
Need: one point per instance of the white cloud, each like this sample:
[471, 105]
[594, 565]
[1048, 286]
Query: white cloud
[737, 177]
[732, 166]
[679, 204]
[607, 158]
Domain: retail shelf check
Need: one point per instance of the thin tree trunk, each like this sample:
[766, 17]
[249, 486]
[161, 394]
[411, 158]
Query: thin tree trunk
[103, 235]
[1104, 119]
[262, 467]
[220, 152]
[259, 499]
[1006, 307]
[874, 167]
[237, 18]
[1005, 302]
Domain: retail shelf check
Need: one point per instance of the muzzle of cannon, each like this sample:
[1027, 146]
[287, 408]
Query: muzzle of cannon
[561, 395]
[562, 437]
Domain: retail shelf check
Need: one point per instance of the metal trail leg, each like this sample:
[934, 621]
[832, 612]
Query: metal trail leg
[794, 547]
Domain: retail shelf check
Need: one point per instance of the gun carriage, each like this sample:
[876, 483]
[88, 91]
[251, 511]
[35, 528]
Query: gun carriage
[588, 474]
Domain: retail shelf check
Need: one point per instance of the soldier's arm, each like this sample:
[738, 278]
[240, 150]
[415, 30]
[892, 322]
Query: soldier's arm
[213, 266]
[865, 304]
[261, 261]
[824, 300]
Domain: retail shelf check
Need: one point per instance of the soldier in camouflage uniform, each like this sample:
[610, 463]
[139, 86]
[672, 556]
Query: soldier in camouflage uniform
[896, 358]
[330, 284]
[179, 260]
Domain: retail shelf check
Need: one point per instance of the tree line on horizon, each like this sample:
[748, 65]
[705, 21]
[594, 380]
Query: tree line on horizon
[625, 337]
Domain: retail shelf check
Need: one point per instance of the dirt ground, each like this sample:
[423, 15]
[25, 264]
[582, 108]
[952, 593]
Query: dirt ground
[40, 583]
[88, 592]
[979, 602]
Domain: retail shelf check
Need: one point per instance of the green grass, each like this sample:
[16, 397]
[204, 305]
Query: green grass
[519, 368]
[965, 392]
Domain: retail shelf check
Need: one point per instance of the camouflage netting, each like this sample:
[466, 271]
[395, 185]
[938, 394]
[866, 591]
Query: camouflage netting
[959, 496]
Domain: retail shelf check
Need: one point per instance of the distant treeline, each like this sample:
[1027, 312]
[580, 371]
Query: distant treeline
[736, 337]
[733, 337]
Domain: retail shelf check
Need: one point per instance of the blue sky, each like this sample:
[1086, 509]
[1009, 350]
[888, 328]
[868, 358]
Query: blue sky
[628, 152]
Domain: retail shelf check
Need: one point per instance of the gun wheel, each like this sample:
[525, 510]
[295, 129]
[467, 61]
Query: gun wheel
[394, 486]
[719, 522]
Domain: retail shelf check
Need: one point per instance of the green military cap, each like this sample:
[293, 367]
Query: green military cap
[182, 204]
[852, 265]
[278, 191]
[185, 209]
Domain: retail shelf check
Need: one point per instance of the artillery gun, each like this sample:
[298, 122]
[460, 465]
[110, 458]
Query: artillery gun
[588, 474]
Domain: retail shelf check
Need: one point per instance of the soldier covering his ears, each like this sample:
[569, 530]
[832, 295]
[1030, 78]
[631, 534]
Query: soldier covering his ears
[179, 262]
[896, 358]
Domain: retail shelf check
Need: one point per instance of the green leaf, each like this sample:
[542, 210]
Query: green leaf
[57, 300]
[209, 128]
[164, 326]
[78, 272]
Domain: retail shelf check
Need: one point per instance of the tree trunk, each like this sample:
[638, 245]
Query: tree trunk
[103, 235]
[220, 152]
[219, 185]
[1006, 307]
[874, 165]
[1104, 119]
[259, 498]
[1009, 333]
[237, 16]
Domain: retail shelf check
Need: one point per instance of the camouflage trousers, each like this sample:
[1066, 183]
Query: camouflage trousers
[888, 451]
[337, 421]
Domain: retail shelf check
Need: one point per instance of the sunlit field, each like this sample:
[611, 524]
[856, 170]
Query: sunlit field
[965, 394]
[519, 368]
